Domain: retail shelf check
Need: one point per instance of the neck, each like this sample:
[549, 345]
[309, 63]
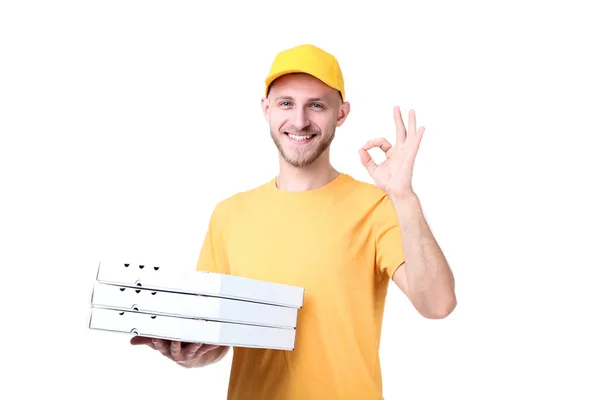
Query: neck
[313, 176]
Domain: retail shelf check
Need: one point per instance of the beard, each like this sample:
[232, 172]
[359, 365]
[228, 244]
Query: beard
[302, 157]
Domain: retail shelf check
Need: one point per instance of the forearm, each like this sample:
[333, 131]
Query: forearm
[429, 278]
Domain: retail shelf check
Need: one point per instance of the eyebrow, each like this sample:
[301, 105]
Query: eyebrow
[310, 99]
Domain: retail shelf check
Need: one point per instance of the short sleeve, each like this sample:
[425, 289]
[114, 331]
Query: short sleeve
[388, 238]
[213, 254]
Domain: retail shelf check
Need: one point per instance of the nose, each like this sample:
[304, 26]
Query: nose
[300, 118]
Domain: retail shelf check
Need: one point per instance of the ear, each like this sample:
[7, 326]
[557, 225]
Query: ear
[343, 113]
[264, 104]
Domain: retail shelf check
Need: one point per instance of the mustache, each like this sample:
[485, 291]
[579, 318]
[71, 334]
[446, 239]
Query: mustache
[304, 131]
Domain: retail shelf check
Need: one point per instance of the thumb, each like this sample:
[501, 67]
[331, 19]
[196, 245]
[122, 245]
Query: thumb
[138, 340]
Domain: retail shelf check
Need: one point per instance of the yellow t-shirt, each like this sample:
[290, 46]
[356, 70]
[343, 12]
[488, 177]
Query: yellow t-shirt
[341, 243]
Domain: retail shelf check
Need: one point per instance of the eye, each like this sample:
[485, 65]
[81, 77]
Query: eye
[317, 105]
[285, 104]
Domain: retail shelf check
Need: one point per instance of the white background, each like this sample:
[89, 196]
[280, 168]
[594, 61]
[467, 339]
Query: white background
[123, 122]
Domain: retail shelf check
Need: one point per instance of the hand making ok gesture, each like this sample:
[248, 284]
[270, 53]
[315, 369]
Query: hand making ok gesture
[394, 175]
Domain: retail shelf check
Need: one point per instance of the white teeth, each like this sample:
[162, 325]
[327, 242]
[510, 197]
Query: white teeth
[299, 138]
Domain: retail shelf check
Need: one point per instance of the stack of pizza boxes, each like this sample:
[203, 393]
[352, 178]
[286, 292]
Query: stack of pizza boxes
[201, 307]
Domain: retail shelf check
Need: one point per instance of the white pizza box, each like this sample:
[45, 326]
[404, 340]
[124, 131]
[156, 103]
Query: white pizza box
[192, 306]
[156, 277]
[191, 330]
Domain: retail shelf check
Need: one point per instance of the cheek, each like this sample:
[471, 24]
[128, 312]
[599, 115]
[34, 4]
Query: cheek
[278, 126]
[325, 122]
[277, 123]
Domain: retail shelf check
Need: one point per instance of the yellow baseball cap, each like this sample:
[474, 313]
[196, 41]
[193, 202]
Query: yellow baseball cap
[308, 59]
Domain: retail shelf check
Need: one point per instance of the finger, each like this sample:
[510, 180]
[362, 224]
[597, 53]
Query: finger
[162, 346]
[419, 137]
[412, 123]
[400, 128]
[192, 349]
[414, 147]
[175, 348]
[382, 143]
[367, 161]
[206, 348]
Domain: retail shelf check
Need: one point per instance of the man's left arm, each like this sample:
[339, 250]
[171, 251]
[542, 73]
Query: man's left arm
[425, 277]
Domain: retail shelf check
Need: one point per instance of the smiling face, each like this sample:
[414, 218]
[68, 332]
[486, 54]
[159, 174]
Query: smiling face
[303, 114]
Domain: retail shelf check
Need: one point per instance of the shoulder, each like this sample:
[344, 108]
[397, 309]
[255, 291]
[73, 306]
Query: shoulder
[365, 191]
[241, 199]
[369, 200]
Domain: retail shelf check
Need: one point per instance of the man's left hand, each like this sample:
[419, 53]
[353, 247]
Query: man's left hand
[394, 175]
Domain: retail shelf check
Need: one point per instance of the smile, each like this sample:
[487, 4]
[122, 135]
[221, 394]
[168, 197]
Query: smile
[301, 139]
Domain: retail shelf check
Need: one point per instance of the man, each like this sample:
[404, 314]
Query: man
[340, 239]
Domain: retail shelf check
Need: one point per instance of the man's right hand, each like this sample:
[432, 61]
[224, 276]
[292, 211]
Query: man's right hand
[188, 355]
